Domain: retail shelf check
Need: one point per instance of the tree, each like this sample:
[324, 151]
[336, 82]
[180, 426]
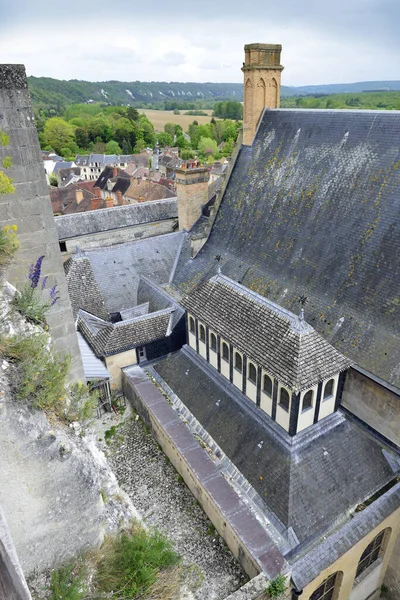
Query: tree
[132, 113]
[81, 137]
[112, 147]
[139, 146]
[207, 146]
[58, 133]
[230, 109]
[181, 142]
[165, 139]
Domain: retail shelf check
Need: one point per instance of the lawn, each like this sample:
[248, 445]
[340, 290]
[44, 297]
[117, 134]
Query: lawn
[160, 117]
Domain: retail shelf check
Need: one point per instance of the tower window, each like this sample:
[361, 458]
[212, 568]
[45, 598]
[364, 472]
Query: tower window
[192, 328]
[307, 400]
[252, 374]
[328, 390]
[213, 342]
[284, 399]
[267, 386]
[202, 333]
[371, 553]
[238, 362]
[326, 589]
[225, 351]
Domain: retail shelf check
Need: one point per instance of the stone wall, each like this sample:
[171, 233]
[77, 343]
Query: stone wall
[30, 208]
[12, 581]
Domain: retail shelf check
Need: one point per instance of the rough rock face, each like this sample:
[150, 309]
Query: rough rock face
[52, 481]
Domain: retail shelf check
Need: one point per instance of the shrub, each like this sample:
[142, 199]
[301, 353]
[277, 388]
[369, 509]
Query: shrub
[8, 243]
[67, 584]
[41, 374]
[276, 586]
[129, 564]
[30, 301]
[83, 402]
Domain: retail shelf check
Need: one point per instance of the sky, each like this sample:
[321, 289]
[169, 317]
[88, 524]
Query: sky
[324, 41]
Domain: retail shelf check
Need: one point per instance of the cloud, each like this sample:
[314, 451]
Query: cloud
[171, 59]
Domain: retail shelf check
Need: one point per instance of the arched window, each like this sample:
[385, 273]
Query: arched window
[202, 333]
[327, 588]
[328, 390]
[225, 351]
[307, 400]
[213, 342]
[284, 399]
[238, 362]
[252, 373]
[267, 385]
[192, 328]
[371, 552]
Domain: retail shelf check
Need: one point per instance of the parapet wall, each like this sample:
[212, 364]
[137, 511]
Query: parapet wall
[30, 207]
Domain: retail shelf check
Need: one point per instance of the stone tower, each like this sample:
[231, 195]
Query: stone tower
[192, 193]
[262, 84]
[29, 207]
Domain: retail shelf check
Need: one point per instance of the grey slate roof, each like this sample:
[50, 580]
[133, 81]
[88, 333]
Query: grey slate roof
[312, 207]
[281, 342]
[82, 287]
[92, 366]
[107, 338]
[71, 226]
[309, 486]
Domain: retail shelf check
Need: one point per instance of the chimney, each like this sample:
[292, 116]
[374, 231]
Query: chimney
[97, 192]
[115, 172]
[78, 195]
[109, 202]
[96, 202]
[192, 193]
[119, 198]
[262, 85]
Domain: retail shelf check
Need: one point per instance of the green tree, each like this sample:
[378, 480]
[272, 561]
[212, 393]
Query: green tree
[132, 113]
[230, 109]
[165, 139]
[81, 137]
[112, 147]
[139, 146]
[207, 147]
[181, 142]
[58, 133]
[170, 128]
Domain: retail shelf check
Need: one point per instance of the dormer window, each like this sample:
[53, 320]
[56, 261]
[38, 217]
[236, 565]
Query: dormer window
[284, 399]
[267, 386]
[225, 351]
[191, 325]
[328, 390]
[202, 333]
[308, 400]
[213, 342]
[252, 374]
[238, 362]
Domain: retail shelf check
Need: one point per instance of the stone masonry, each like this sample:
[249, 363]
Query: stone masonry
[262, 84]
[192, 192]
[30, 208]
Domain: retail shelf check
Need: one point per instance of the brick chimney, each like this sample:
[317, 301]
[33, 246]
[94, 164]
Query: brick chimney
[192, 193]
[119, 198]
[262, 84]
[109, 202]
[96, 202]
[115, 172]
[97, 192]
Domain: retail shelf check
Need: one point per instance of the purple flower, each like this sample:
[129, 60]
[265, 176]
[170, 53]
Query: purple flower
[53, 295]
[34, 274]
[44, 281]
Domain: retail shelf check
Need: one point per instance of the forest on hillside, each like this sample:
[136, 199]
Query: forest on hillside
[364, 100]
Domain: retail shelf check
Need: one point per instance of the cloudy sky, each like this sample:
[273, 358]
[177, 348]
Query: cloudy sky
[323, 41]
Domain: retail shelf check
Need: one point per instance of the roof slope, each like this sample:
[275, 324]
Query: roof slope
[283, 343]
[313, 208]
[107, 219]
[307, 488]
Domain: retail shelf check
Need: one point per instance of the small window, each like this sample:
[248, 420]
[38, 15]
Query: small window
[307, 400]
[225, 351]
[192, 328]
[267, 387]
[238, 362]
[284, 399]
[202, 333]
[371, 553]
[252, 374]
[328, 390]
[213, 342]
[326, 589]
[63, 246]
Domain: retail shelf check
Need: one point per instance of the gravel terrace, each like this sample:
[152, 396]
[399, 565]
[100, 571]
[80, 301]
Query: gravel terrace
[164, 501]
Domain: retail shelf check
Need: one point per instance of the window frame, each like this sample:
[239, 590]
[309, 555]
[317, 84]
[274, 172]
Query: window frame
[250, 366]
[202, 333]
[192, 323]
[282, 389]
[330, 396]
[311, 405]
[327, 593]
[236, 356]
[213, 337]
[226, 358]
[269, 395]
[372, 552]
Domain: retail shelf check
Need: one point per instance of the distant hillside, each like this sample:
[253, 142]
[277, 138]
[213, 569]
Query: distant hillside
[56, 94]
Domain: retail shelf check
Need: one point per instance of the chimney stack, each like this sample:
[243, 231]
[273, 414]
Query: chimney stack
[262, 84]
[78, 195]
[192, 193]
[119, 198]
[115, 172]
[109, 202]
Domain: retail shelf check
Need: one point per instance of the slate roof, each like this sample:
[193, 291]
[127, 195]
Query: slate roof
[83, 289]
[107, 174]
[115, 218]
[312, 207]
[278, 340]
[63, 199]
[107, 338]
[308, 487]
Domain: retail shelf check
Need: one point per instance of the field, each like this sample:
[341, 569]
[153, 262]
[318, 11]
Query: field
[160, 117]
